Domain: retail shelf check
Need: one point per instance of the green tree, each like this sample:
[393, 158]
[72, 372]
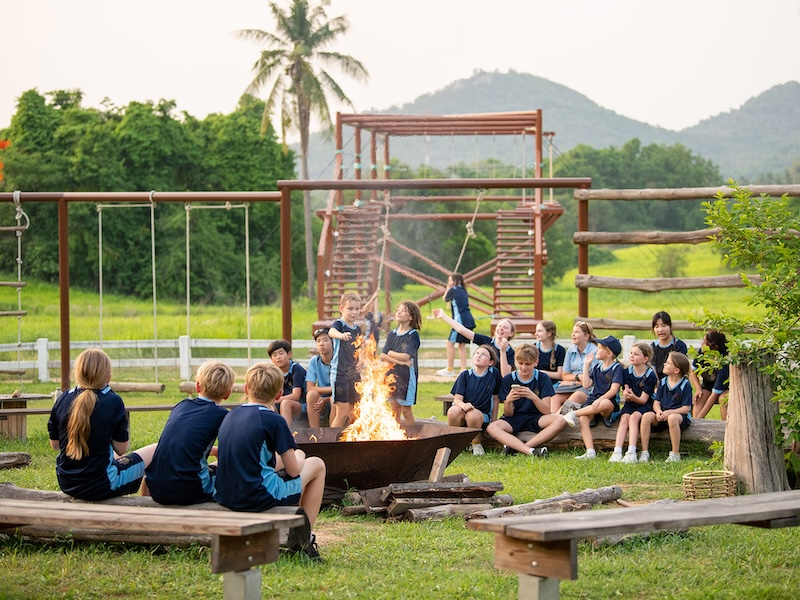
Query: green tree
[298, 85]
[761, 235]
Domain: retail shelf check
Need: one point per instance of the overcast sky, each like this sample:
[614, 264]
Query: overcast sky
[671, 64]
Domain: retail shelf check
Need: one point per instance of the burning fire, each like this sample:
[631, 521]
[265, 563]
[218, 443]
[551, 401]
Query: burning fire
[375, 420]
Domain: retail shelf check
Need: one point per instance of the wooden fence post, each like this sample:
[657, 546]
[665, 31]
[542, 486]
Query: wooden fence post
[751, 451]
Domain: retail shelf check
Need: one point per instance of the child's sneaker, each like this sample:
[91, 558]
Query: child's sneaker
[446, 372]
[590, 454]
[571, 418]
[673, 457]
[630, 457]
[615, 457]
[477, 450]
[644, 456]
[541, 452]
[509, 451]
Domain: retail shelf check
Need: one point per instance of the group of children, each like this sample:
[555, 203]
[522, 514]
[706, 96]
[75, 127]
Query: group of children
[544, 387]
[258, 463]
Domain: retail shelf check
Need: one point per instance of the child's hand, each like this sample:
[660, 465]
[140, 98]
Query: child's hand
[502, 344]
[437, 313]
[346, 336]
[628, 393]
[589, 358]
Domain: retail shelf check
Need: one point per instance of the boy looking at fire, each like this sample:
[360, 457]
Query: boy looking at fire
[292, 402]
[264, 467]
[318, 379]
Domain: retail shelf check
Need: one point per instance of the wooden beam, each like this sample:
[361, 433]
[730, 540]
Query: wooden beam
[660, 284]
[644, 237]
[697, 193]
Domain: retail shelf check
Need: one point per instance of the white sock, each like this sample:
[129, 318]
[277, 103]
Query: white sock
[617, 449]
[631, 449]
[532, 450]
[591, 452]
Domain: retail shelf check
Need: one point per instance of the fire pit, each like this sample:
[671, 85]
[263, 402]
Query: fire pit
[375, 463]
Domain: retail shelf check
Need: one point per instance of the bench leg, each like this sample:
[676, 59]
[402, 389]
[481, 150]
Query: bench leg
[538, 588]
[242, 585]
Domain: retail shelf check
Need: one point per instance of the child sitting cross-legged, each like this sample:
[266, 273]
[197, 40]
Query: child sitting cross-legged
[526, 397]
[672, 407]
[260, 465]
[604, 376]
[475, 395]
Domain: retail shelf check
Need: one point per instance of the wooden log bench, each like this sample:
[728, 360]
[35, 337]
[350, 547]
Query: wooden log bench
[543, 549]
[701, 430]
[240, 541]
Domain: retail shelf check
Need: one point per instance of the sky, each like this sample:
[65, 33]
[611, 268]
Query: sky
[670, 64]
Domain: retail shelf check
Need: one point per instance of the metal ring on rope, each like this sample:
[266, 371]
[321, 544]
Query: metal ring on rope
[470, 228]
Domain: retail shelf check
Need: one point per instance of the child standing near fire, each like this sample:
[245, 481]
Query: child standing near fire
[401, 349]
[475, 395]
[637, 390]
[345, 368]
[456, 295]
[504, 332]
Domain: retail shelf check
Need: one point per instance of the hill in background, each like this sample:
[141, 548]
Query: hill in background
[761, 136]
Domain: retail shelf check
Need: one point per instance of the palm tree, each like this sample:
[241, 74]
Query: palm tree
[298, 84]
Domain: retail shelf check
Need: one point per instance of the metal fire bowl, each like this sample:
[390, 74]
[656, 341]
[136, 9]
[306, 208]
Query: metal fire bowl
[371, 464]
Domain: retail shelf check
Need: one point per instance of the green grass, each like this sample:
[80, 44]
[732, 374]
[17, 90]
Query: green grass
[368, 558]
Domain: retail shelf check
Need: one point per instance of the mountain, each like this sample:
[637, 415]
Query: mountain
[761, 136]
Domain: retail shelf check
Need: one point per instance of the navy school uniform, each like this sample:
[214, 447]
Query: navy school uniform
[550, 360]
[526, 415]
[602, 380]
[712, 381]
[295, 377]
[660, 354]
[98, 475]
[405, 385]
[458, 298]
[481, 339]
[640, 384]
[250, 439]
[672, 398]
[179, 472]
[479, 390]
[343, 365]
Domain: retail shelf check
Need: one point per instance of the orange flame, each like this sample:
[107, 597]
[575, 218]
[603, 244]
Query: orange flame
[375, 420]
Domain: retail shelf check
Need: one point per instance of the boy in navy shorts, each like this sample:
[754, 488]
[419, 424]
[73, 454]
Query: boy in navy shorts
[526, 397]
[259, 463]
[344, 368]
[179, 472]
[292, 402]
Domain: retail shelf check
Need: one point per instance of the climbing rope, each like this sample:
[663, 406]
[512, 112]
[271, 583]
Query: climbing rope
[19, 215]
[470, 228]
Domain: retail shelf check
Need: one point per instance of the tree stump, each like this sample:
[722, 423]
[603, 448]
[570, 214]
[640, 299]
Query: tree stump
[752, 452]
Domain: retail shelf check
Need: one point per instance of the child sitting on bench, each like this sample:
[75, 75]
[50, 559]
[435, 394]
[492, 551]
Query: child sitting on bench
[180, 473]
[259, 463]
[89, 427]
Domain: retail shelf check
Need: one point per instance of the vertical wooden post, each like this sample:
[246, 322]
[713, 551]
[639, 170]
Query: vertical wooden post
[750, 448]
[583, 257]
[357, 159]
[63, 284]
[286, 264]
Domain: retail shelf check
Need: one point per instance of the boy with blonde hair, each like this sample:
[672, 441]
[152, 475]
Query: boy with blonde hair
[179, 472]
[344, 366]
[260, 465]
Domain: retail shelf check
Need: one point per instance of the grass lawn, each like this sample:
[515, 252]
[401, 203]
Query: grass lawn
[365, 557]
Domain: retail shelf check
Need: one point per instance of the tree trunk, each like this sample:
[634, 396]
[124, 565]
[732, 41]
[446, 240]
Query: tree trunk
[751, 451]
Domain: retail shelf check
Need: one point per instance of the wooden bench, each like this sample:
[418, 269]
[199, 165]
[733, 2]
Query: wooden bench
[240, 541]
[543, 550]
[701, 430]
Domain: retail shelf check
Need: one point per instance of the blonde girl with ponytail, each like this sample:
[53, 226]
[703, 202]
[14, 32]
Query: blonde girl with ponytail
[89, 427]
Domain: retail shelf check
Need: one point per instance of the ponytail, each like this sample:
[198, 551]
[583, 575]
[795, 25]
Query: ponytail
[92, 372]
[78, 426]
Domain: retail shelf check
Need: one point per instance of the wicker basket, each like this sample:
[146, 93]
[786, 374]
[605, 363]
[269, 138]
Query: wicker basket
[709, 484]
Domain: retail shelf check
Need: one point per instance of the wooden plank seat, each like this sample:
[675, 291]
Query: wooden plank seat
[542, 549]
[701, 430]
[240, 540]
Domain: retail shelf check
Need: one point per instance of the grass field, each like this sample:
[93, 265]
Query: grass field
[367, 558]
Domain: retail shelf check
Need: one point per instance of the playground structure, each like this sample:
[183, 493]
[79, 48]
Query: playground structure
[357, 249]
